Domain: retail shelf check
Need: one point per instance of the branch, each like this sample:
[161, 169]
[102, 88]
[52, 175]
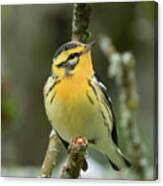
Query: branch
[81, 18]
[76, 158]
[122, 68]
[51, 156]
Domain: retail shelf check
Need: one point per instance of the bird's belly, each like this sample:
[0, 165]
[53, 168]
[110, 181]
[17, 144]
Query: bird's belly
[73, 118]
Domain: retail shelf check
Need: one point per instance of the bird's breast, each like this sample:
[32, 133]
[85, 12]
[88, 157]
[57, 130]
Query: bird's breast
[71, 112]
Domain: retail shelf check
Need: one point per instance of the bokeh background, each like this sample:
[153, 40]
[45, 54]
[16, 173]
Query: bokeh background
[30, 36]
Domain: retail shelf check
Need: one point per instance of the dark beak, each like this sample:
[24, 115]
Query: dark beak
[89, 46]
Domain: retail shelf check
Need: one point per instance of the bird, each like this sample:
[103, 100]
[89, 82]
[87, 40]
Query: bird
[78, 104]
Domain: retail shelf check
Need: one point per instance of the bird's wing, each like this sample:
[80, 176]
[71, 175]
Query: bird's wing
[108, 101]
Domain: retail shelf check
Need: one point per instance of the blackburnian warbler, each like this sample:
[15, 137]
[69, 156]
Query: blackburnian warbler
[77, 103]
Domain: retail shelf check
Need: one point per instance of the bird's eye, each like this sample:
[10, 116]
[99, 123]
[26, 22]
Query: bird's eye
[69, 59]
[71, 56]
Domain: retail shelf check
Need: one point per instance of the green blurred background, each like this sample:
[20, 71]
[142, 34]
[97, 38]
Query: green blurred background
[30, 36]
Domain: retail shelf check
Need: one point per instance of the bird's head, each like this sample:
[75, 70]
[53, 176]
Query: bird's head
[73, 58]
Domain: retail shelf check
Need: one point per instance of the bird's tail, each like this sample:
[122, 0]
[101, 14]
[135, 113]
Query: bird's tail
[116, 157]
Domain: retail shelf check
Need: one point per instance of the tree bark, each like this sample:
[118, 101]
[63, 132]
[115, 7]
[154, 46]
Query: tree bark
[50, 156]
[80, 22]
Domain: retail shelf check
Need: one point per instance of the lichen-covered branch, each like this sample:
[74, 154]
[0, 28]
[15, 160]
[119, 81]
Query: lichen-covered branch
[76, 158]
[122, 68]
[51, 156]
[80, 22]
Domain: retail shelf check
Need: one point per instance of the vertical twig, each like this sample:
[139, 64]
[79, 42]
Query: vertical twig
[122, 68]
[80, 22]
[51, 156]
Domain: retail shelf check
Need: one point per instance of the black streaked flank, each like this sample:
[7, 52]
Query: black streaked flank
[102, 114]
[53, 96]
[105, 121]
[53, 85]
[109, 103]
[93, 88]
[89, 98]
[65, 47]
